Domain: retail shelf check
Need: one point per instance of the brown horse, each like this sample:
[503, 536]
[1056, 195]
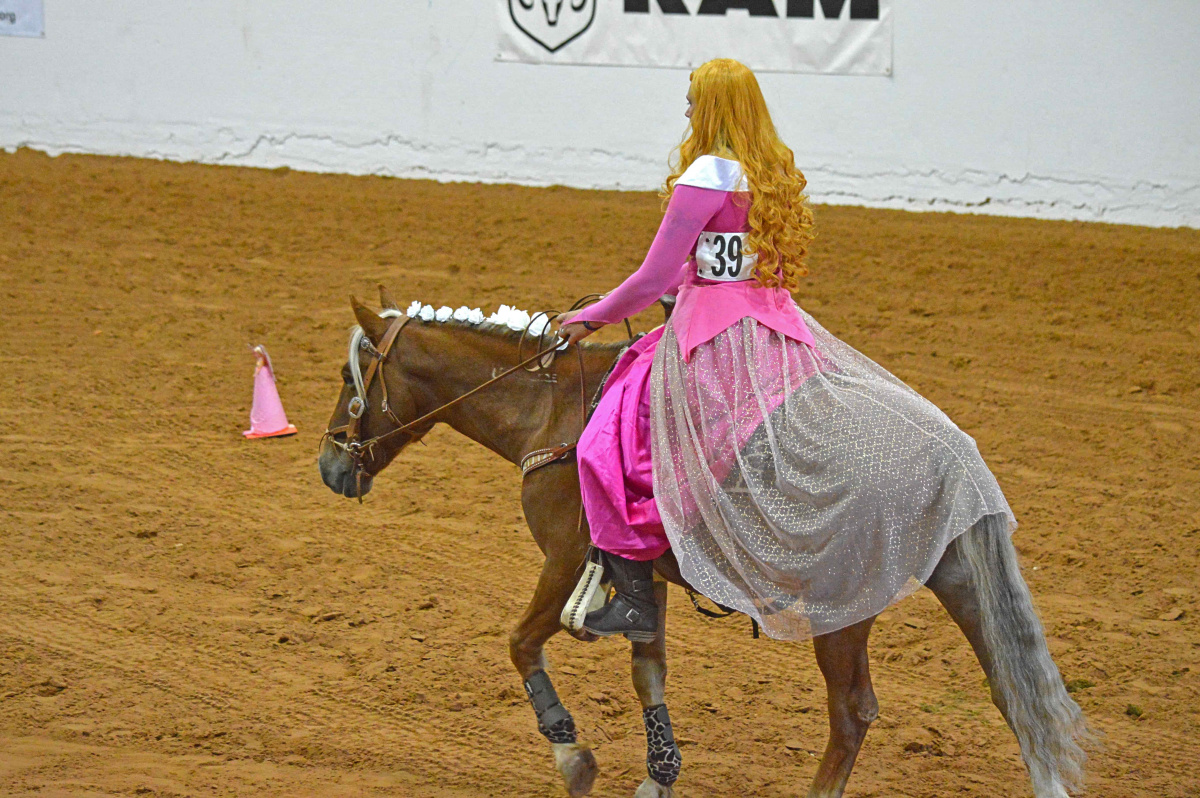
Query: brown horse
[420, 367]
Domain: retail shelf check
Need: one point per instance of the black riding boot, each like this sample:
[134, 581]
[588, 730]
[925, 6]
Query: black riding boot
[633, 611]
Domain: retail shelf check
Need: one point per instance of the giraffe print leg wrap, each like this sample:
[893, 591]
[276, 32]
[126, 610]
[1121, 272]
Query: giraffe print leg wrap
[663, 759]
[554, 721]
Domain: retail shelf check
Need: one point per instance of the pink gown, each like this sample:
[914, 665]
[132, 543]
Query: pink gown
[794, 479]
[615, 460]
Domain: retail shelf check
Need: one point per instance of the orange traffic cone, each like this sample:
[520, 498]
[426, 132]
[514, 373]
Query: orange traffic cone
[267, 419]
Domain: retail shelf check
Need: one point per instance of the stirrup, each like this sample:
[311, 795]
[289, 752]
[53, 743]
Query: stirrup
[590, 593]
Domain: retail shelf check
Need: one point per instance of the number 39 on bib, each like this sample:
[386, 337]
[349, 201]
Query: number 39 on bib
[722, 256]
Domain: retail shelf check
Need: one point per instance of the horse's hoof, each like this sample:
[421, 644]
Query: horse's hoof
[652, 789]
[578, 767]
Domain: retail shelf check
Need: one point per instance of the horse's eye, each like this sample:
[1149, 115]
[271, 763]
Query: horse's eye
[347, 377]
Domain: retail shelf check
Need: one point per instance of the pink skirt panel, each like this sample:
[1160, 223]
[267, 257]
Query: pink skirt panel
[616, 472]
[704, 310]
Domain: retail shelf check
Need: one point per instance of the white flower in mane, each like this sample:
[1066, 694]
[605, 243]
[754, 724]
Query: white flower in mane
[517, 319]
[500, 316]
[539, 324]
[505, 316]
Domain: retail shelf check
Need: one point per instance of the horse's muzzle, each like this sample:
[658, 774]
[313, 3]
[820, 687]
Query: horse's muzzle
[338, 473]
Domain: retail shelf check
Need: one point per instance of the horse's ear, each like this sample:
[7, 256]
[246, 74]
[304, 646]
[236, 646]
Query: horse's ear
[374, 326]
[385, 299]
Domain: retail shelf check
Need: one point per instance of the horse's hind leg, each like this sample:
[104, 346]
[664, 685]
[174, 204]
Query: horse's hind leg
[951, 584]
[842, 657]
[650, 681]
[979, 583]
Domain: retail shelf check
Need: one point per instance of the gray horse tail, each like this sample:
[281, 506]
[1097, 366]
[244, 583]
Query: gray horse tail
[1025, 682]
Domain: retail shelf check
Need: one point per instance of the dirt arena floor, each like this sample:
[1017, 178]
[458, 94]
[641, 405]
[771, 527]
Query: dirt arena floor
[185, 613]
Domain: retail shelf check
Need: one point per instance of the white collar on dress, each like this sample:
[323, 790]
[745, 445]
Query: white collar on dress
[709, 171]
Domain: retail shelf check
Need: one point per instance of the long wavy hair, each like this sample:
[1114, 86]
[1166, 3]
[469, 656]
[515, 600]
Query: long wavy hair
[730, 120]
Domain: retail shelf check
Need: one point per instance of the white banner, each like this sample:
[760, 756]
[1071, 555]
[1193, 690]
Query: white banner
[22, 18]
[847, 37]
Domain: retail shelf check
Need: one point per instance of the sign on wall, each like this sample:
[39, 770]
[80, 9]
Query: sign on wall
[22, 18]
[849, 37]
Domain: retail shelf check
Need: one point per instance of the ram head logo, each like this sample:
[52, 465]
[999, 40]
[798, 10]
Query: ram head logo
[553, 24]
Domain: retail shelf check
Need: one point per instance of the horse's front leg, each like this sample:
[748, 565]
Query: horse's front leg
[650, 681]
[564, 546]
[842, 658]
[573, 759]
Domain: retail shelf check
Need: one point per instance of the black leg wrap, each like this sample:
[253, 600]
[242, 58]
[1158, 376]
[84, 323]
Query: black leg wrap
[663, 759]
[554, 722]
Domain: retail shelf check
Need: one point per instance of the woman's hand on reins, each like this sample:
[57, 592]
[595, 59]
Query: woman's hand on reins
[573, 332]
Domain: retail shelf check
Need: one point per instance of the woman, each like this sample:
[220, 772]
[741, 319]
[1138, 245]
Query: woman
[796, 480]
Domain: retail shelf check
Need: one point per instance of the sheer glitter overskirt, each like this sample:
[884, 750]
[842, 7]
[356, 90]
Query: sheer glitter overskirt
[808, 488]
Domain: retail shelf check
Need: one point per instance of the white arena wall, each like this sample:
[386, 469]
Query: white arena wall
[1067, 109]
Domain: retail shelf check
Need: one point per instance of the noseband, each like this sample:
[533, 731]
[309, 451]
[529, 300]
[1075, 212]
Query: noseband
[358, 450]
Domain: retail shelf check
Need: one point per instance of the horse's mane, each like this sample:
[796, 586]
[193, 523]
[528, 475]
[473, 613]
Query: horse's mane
[507, 322]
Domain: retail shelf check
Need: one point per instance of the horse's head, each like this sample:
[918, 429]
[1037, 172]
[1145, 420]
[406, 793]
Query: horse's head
[368, 427]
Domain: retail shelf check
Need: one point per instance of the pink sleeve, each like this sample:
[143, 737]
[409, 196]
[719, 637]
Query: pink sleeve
[688, 212]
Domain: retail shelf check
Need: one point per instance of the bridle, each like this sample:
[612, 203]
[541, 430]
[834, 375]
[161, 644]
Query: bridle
[355, 448]
[359, 450]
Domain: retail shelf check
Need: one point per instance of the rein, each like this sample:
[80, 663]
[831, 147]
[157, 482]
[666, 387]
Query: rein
[358, 450]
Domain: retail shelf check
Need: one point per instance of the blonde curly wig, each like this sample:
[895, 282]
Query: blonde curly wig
[730, 120]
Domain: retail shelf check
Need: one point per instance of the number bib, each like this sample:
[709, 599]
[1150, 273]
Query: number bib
[720, 256]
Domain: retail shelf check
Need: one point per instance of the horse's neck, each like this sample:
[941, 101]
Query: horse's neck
[515, 415]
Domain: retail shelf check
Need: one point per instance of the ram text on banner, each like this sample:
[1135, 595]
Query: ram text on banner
[22, 18]
[846, 37]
